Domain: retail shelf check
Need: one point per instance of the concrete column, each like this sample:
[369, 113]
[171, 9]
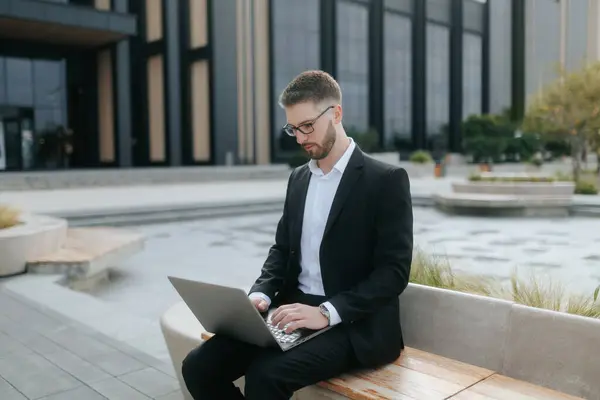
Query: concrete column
[172, 80]
[225, 80]
[122, 89]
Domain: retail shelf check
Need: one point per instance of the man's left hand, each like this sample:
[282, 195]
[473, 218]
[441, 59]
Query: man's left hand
[299, 316]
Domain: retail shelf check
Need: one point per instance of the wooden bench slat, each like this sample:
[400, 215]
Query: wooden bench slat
[392, 382]
[500, 387]
[415, 375]
[446, 368]
[354, 387]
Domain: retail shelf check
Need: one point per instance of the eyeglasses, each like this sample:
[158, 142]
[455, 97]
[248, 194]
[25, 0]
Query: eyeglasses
[305, 128]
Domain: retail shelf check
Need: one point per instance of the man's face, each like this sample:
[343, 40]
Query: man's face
[314, 129]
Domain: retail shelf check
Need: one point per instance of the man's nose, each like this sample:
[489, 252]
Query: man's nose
[300, 138]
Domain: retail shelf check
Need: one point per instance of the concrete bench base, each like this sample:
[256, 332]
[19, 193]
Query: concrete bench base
[86, 255]
[35, 236]
[461, 346]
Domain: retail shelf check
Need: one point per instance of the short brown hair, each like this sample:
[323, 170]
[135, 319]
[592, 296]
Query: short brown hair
[311, 86]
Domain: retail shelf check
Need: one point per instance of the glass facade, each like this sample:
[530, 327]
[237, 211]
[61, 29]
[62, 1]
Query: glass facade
[353, 63]
[472, 73]
[393, 60]
[296, 36]
[409, 69]
[438, 79]
[32, 112]
[398, 79]
[472, 57]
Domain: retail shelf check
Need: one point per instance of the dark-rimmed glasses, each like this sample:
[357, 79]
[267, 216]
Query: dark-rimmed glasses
[306, 127]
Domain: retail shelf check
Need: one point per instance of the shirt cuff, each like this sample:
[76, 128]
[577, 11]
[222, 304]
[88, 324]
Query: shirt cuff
[260, 295]
[334, 317]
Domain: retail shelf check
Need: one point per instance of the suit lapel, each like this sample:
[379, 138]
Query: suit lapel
[302, 189]
[351, 174]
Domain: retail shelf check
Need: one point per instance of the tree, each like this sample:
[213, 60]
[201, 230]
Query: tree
[594, 142]
[568, 107]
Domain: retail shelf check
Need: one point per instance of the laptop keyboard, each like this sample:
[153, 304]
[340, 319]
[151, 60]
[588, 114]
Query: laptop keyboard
[280, 334]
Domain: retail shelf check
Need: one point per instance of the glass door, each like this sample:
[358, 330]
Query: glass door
[13, 143]
[28, 146]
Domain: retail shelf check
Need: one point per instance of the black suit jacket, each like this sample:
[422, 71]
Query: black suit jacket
[365, 256]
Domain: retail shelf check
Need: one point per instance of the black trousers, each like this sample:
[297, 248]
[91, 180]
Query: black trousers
[270, 374]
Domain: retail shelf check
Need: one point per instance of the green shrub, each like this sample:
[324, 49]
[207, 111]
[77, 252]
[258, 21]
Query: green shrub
[537, 161]
[557, 146]
[563, 177]
[435, 271]
[9, 216]
[487, 137]
[586, 187]
[535, 292]
[367, 141]
[421, 157]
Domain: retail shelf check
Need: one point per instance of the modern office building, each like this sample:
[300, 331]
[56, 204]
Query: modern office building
[127, 83]
[531, 39]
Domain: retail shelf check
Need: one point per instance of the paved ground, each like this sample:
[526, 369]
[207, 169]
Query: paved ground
[104, 177]
[77, 178]
[66, 201]
[45, 356]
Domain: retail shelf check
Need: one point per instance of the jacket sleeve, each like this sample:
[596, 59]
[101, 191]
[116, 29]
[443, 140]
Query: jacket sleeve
[392, 256]
[274, 269]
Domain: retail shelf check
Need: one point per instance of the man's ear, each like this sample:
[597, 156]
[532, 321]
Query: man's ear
[337, 114]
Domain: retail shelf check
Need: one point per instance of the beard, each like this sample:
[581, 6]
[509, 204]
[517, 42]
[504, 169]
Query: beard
[321, 150]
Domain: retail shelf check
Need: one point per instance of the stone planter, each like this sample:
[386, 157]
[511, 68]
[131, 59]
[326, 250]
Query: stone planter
[510, 195]
[37, 235]
[553, 189]
[494, 205]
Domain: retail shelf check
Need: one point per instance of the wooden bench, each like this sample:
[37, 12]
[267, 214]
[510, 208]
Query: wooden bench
[418, 375]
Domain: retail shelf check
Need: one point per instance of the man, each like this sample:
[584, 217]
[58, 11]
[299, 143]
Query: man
[342, 256]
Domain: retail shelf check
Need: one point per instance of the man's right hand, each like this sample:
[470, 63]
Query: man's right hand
[260, 304]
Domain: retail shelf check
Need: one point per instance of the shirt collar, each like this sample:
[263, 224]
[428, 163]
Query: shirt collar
[340, 165]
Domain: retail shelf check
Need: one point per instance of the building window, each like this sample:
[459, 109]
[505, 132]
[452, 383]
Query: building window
[19, 82]
[438, 79]
[398, 79]
[49, 91]
[439, 10]
[472, 71]
[106, 110]
[296, 40]
[201, 111]
[473, 15]
[154, 11]
[32, 110]
[353, 63]
[101, 4]
[198, 23]
[156, 109]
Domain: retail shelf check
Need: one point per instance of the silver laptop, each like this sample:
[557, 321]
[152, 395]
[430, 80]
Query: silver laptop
[228, 311]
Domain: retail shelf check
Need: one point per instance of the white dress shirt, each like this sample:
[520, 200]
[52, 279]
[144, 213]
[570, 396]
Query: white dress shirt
[319, 198]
